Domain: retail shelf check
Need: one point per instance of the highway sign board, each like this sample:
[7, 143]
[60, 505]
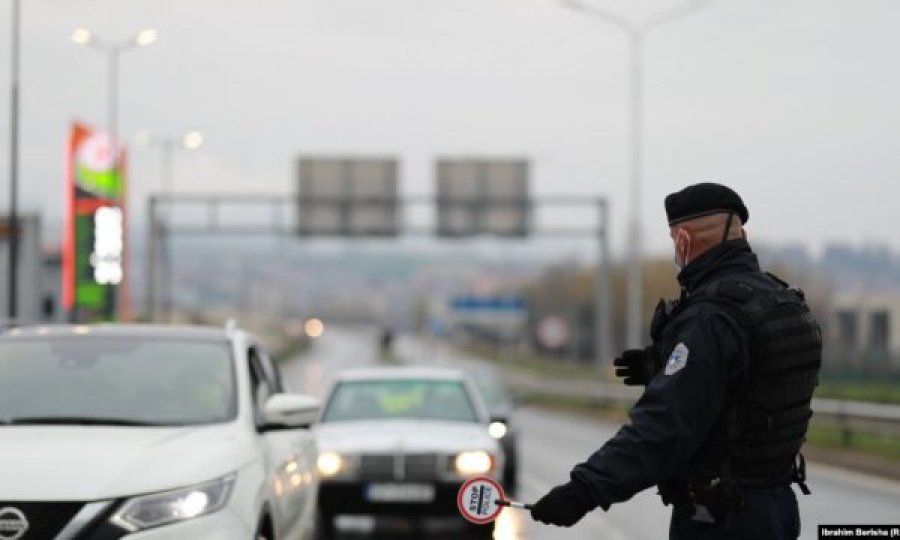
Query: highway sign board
[353, 196]
[483, 197]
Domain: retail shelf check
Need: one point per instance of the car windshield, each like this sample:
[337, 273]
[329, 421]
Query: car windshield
[400, 398]
[492, 390]
[115, 381]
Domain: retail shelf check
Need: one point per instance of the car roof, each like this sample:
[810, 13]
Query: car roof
[387, 373]
[156, 331]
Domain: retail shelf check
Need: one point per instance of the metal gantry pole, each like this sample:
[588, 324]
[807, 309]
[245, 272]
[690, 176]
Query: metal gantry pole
[607, 348]
[162, 299]
[635, 290]
[602, 318]
[165, 258]
[600, 298]
[150, 263]
[13, 278]
[168, 156]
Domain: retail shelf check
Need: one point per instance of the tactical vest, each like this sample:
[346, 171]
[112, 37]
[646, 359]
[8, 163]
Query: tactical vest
[769, 406]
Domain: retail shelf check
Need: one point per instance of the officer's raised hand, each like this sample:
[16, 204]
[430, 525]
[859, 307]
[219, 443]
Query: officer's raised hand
[564, 506]
[638, 366]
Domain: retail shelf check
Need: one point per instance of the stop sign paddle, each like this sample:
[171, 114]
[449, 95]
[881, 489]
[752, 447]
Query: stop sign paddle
[481, 499]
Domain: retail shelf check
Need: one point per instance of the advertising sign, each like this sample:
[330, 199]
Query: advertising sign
[94, 240]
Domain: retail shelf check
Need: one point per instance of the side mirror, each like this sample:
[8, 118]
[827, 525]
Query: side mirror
[499, 426]
[290, 411]
[501, 418]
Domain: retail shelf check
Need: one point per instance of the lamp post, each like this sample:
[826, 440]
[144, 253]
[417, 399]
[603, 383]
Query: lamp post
[113, 50]
[13, 262]
[192, 140]
[636, 33]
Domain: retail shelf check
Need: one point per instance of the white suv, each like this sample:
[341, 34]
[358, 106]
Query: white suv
[150, 432]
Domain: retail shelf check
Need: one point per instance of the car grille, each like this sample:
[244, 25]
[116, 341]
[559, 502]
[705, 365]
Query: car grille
[375, 467]
[399, 467]
[45, 520]
[421, 466]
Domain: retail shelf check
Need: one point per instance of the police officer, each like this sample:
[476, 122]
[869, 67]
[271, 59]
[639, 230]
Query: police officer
[729, 377]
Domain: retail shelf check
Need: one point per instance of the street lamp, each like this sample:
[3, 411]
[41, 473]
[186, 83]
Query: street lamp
[191, 140]
[636, 33]
[112, 50]
[83, 36]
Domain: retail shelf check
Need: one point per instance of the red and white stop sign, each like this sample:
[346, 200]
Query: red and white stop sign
[553, 332]
[479, 500]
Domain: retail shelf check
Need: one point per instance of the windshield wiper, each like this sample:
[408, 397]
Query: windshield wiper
[75, 421]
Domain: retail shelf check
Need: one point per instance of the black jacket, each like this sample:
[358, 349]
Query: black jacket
[676, 426]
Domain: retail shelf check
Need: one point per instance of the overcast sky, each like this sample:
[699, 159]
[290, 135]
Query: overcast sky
[791, 102]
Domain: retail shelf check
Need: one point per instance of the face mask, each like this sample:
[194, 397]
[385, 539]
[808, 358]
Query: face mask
[680, 266]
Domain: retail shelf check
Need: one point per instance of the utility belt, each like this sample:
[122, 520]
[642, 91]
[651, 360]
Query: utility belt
[707, 502]
[715, 500]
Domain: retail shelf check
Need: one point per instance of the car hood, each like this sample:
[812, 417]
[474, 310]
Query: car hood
[409, 436]
[82, 463]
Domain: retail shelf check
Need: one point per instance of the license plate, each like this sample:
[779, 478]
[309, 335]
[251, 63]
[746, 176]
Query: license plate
[416, 493]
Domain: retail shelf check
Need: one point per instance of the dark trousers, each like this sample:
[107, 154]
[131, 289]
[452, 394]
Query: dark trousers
[771, 514]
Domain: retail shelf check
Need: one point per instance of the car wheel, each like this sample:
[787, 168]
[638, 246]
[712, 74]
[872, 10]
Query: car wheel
[511, 469]
[325, 527]
[264, 529]
[511, 478]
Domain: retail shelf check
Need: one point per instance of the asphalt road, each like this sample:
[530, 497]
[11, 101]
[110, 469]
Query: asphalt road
[551, 443]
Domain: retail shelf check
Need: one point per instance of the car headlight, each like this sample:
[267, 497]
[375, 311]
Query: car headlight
[157, 509]
[475, 462]
[329, 463]
[497, 430]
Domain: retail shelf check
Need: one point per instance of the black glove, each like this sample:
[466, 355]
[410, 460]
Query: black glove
[638, 366]
[564, 506]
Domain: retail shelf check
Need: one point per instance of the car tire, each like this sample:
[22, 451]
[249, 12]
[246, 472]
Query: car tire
[511, 480]
[264, 529]
[511, 475]
[325, 527]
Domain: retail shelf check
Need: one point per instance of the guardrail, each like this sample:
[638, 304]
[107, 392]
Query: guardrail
[855, 416]
[848, 416]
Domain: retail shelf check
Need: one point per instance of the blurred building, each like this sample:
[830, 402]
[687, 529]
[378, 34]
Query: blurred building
[865, 327]
[34, 301]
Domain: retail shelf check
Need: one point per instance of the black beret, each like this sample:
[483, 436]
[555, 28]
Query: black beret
[704, 199]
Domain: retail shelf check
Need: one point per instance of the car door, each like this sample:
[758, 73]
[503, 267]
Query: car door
[289, 454]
